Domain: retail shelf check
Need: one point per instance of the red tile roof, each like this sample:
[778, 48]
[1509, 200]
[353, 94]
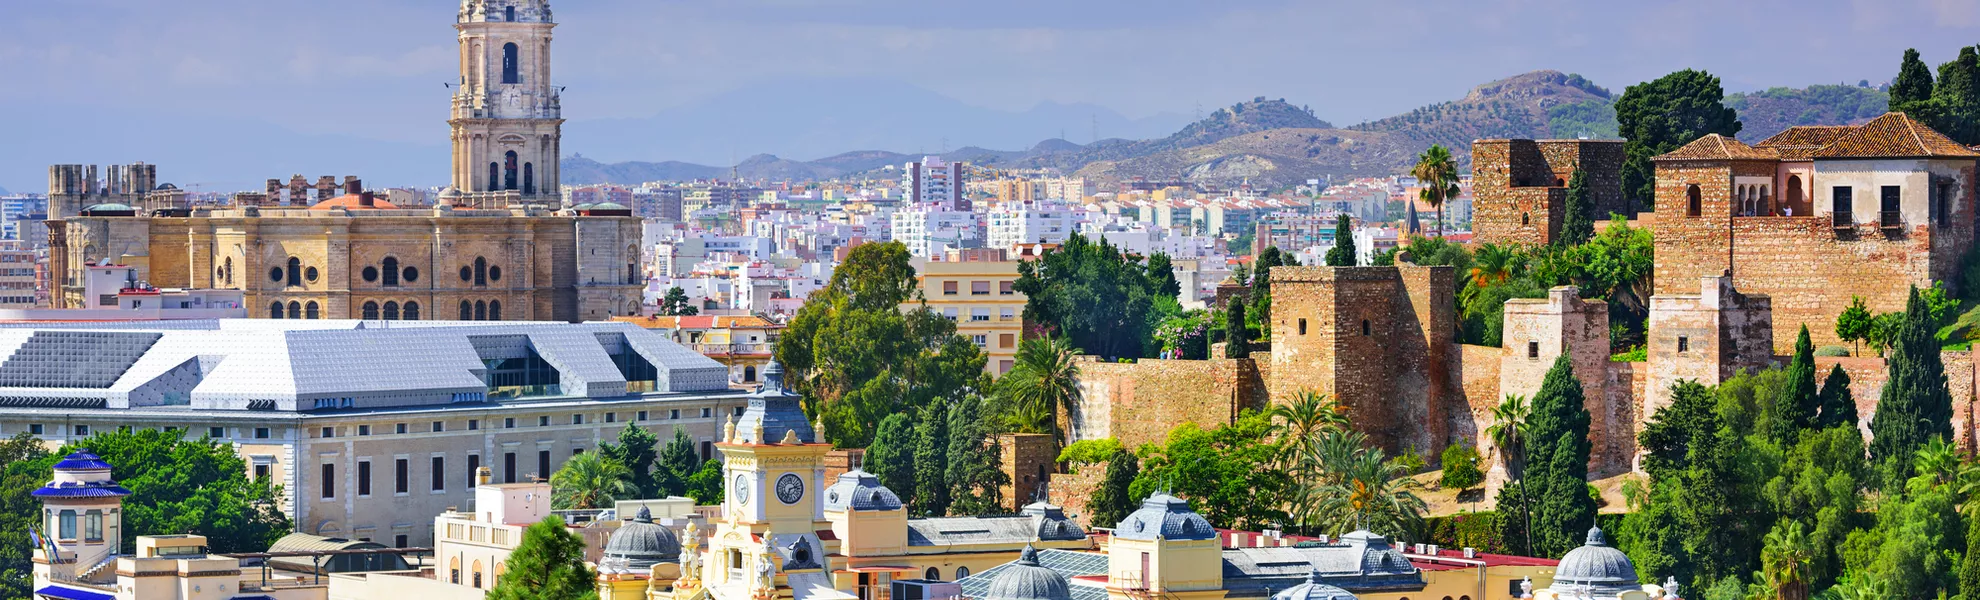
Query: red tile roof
[1894, 135]
[1717, 147]
[353, 202]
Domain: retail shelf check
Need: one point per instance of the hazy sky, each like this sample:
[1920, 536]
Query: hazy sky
[373, 69]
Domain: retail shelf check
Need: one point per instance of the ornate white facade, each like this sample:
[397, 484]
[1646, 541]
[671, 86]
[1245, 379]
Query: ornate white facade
[507, 120]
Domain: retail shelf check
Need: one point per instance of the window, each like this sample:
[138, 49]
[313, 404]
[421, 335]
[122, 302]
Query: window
[510, 72]
[295, 310]
[391, 312]
[1302, 326]
[979, 315]
[364, 478]
[294, 271]
[981, 341]
[35, 428]
[329, 482]
[481, 269]
[66, 527]
[480, 310]
[439, 473]
[508, 467]
[402, 476]
[675, 413]
[261, 433]
[1693, 201]
[1533, 349]
[979, 288]
[412, 274]
[738, 411]
[932, 573]
[1364, 327]
[1004, 366]
[1888, 201]
[364, 430]
[1004, 288]
[577, 419]
[948, 288]
[642, 415]
[212, 432]
[707, 450]
[82, 431]
[93, 526]
[390, 270]
[543, 464]
[1684, 344]
[473, 470]
[369, 273]
[1005, 340]
[494, 310]
[961, 572]
[328, 432]
[577, 451]
[1841, 199]
[401, 428]
[1006, 314]
[611, 417]
[543, 421]
[508, 422]
[439, 426]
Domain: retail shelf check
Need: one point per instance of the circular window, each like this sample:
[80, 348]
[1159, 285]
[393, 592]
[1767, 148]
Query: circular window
[467, 274]
[275, 274]
[412, 274]
[370, 273]
[494, 273]
[310, 274]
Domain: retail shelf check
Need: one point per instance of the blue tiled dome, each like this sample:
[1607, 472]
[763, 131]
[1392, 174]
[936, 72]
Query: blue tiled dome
[82, 475]
[1596, 568]
[860, 490]
[1026, 580]
[1313, 590]
[1165, 516]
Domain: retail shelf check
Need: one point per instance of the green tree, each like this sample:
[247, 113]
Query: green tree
[1795, 406]
[1043, 380]
[1913, 82]
[676, 304]
[1260, 310]
[1237, 337]
[1460, 467]
[1914, 407]
[1114, 500]
[1227, 472]
[1784, 560]
[1955, 99]
[1969, 563]
[1853, 325]
[858, 354]
[931, 462]
[636, 451]
[1557, 465]
[705, 485]
[975, 481]
[1578, 224]
[678, 462]
[1838, 403]
[547, 565]
[1100, 299]
[1508, 435]
[1659, 116]
[1436, 171]
[891, 455]
[590, 480]
[1343, 252]
[1162, 274]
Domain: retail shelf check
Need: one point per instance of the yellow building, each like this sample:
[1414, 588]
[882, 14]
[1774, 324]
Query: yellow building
[978, 296]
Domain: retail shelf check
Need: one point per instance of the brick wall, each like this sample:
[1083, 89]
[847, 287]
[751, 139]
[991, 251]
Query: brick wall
[1519, 187]
[1537, 332]
[1072, 490]
[1866, 384]
[1138, 403]
[1027, 459]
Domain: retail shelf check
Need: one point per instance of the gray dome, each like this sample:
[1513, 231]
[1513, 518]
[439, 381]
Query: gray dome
[1596, 568]
[776, 410]
[1052, 523]
[1313, 590]
[860, 490]
[1165, 516]
[1026, 580]
[639, 544]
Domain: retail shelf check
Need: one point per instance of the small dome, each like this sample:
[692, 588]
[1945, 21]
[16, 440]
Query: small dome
[1026, 580]
[450, 192]
[639, 544]
[609, 206]
[1313, 590]
[860, 490]
[1165, 516]
[109, 209]
[1051, 522]
[1596, 568]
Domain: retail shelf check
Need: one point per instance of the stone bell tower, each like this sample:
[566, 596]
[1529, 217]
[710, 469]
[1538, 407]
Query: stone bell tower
[507, 121]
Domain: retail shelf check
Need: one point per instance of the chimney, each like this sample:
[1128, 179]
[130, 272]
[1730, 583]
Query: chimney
[365, 199]
[352, 185]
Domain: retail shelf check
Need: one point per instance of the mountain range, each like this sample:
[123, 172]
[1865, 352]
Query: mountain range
[1273, 143]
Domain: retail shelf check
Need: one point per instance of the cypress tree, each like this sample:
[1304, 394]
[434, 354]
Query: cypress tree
[1578, 225]
[1557, 463]
[931, 462]
[1838, 403]
[1112, 502]
[975, 482]
[1913, 83]
[1969, 565]
[1915, 406]
[1957, 96]
[891, 455]
[1237, 339]
[1795, 404]
[1343, 252]
[678, 462]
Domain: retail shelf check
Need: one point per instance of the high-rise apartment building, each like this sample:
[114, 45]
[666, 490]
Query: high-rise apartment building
[1014, 223]
[935, 181]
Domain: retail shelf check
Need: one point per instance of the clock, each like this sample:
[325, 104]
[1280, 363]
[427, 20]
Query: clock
[790, 488]
[741, 489]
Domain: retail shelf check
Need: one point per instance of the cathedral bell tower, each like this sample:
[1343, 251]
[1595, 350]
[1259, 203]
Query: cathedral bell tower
[507, 120]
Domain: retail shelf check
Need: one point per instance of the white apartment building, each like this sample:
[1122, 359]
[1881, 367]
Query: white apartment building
[1030, 223]
[934, 180]
[930, 229]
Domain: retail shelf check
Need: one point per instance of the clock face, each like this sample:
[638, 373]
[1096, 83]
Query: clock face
[790, 488]
[741, 488]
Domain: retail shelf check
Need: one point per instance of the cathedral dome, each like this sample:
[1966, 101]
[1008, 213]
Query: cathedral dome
[639, 544]
[1596, 568]
[1026, 580]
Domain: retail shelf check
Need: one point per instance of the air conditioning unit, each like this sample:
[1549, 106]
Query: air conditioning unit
[925, 589]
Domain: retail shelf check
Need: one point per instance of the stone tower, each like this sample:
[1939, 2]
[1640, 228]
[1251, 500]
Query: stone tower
[507, 121]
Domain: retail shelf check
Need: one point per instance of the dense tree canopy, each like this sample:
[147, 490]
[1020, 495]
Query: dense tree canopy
[1103, 301]
[1226, 472]
[1659, 116]
[1915, 407]
[547, 565]
[1557, 463]
[636, 452]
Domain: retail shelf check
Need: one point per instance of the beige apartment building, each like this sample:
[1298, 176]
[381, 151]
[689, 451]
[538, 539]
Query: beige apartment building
[974, 289]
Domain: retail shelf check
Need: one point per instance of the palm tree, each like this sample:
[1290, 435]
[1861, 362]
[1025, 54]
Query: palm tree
[1937, 458]
[1359, 488]
[1308, 413]
[1043, 380]
[1437, 172]
[1784, 561]
[590, 480]
[1495, 264]
[1508, 434]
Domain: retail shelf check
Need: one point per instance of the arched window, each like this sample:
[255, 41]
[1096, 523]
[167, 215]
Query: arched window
[480, 310]
[412, 311]
[370, 311]
[227, 271]
[529, 179]
[749, 373]
[932, 574]
[1302, 326]
[275, 310]
[480, 271]
[295, 271]
[391, 270]
[476, 570]
[1364, 327]
[311, 311]
[509, 170]
[467, 311]
[494, 310]
[509, 67]
[295, 309]
[961, 572]
[391, 311]
[454, 567]
[1693, 203]
[494, 176]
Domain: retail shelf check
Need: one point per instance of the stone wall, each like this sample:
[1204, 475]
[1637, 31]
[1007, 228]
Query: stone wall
[1071, 491]
[1706, 336]
[1519, 187]
[1866, 384]
[1537, 332]
[1027, 460]
[1138, 403]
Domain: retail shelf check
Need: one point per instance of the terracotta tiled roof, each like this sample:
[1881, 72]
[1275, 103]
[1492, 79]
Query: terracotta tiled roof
[353, 202]
[1715, 146]
[1894, 135]
[1801, 142]
[699, 322]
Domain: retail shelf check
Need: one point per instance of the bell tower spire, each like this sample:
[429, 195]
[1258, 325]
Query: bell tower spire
[507, 117]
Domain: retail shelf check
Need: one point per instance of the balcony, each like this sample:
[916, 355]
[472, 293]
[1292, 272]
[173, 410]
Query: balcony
[738, 349]
[1843, 220]
[1890, 219]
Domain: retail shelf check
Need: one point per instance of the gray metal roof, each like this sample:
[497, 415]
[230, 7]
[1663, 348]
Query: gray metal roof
[1167, 517]
[774, 410]
[1595, 570]
[1003, 529]
[1359, 562]
[1068, 563]
[285, 365]
[860, 490]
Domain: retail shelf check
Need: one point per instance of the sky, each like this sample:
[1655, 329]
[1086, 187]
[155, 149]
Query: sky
[97, 80]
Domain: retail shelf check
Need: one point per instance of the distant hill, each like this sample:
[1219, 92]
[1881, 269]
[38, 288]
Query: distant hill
[1765, 113]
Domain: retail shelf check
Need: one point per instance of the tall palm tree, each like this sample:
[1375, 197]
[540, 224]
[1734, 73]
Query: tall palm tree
[1937, 458]
[1508, 434]
[1495, 264]
[590, 480]
[1784, 561]
[1436, 171]
[1042, 381]
[1308, 413]
[1365, 490]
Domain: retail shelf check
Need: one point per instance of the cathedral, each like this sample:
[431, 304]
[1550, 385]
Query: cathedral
[498, 245]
